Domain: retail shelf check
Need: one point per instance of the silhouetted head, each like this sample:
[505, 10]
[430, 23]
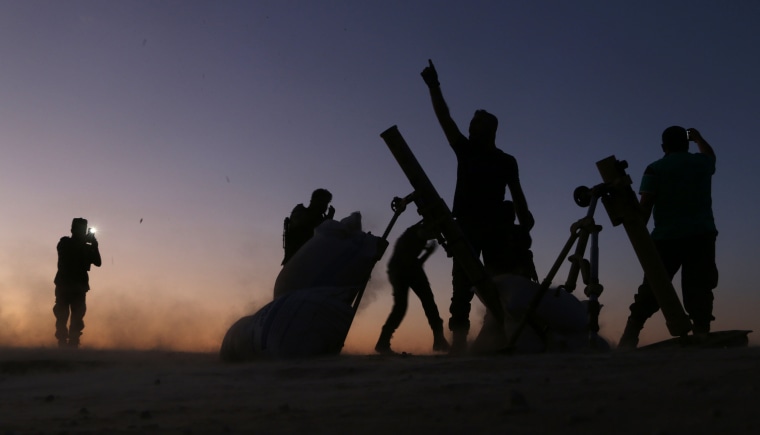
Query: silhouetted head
[79, 227]
[483, 128]
[675, 139]
[320, 199]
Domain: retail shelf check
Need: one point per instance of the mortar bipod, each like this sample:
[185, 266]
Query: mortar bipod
[398, 205]
[579, 232]
[589, 269]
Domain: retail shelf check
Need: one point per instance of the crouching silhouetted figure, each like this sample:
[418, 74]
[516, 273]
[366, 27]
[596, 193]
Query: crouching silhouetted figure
[405, 271]
[75, 255]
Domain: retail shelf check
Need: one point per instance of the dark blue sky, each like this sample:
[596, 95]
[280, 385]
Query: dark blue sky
[121, 111]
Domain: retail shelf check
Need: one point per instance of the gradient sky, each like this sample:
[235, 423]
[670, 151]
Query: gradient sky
[210, 120]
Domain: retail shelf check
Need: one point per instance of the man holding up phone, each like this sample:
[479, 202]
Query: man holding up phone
[72, 281]
[676, 191]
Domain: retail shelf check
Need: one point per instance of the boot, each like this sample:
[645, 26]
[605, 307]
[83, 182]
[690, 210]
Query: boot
[439, 342]
[630, 337]
[458, 343]
[383, 345]
[700, 331]
[74, 338]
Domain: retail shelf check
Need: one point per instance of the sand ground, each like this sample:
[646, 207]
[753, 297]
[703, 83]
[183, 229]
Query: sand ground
[672, 391]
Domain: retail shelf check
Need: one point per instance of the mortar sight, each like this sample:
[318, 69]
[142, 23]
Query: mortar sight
[582, 196]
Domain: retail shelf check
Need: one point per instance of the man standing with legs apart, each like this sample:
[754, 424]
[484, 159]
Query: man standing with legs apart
[405, 271]
[75, 255]
[676, 190]
[483, 174]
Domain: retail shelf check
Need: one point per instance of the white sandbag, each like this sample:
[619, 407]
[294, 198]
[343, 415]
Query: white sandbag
[561, 313]
[304, 323]
[559, 310]
[339, 254]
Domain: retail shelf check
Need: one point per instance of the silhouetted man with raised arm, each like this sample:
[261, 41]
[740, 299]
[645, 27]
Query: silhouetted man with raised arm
[676, 190]
[484, 172]
[300, 225]
[72, 281]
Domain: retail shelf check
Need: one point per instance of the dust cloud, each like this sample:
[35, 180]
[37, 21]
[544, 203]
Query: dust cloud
[120, 318]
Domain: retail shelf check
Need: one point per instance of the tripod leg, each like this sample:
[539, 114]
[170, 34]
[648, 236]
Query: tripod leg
[594, 289]
[534, 303]
[576, 261]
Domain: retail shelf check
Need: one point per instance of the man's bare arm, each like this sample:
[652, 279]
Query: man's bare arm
[647, 204]
[450, 129]
[96, 260]
[524, 216]
[704, 147]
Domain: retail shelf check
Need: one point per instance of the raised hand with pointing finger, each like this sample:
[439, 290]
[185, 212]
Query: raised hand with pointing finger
[430, 75]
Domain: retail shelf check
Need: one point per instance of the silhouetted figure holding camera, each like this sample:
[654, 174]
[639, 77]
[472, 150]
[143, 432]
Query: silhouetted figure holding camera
[484, 172]
[75, 256]
[676, 191]
[300, 225]
[405, 271]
